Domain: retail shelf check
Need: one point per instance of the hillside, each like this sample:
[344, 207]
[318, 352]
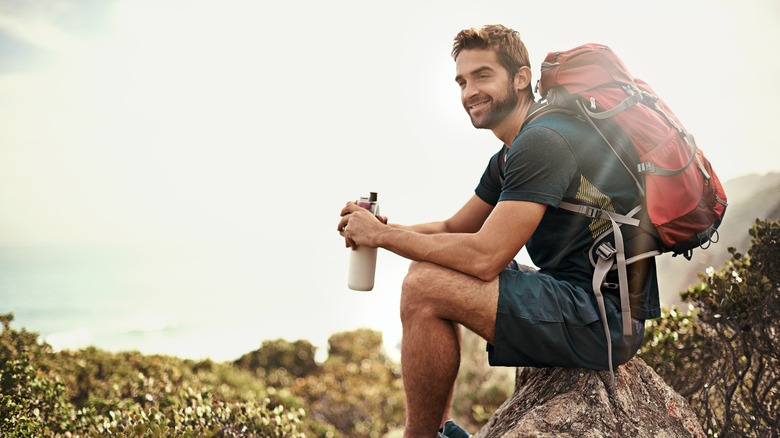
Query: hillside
[749, 197]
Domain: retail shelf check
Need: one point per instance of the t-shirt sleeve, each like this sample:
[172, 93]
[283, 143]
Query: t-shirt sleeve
[540, 167]
[489, 188]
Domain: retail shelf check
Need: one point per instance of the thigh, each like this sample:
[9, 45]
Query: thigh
[453, 296]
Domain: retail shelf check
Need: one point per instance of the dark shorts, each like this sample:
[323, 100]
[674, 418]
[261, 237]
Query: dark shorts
[544, 322]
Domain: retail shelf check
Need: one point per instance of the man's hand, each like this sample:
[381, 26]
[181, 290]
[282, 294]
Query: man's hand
[358, 226]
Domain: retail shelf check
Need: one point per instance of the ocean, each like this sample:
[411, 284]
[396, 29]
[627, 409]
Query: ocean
[182, 302]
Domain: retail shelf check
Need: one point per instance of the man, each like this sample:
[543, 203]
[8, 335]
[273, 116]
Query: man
[463, 271]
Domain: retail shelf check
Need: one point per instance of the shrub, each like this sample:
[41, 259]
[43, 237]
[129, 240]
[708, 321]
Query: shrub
[31, 404]
[358, 389]
[295, 357]
[723, 355]
[95, 393]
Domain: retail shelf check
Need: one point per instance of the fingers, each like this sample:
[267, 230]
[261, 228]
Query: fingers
[353, 211]
[349, 208]
[342, 224]
[349, 243]
[342, 229]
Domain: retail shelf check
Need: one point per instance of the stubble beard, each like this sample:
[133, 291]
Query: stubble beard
[500, 109]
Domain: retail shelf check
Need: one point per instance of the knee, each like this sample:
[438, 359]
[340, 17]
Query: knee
[416, 291]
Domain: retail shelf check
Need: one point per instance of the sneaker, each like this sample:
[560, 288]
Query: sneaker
[452, 430]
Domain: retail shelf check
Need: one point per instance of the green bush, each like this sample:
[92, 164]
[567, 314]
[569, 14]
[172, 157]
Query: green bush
[357, 389]
[295, 357]
[31, 403]
[95, 393]
[357, 392]
[723, 354]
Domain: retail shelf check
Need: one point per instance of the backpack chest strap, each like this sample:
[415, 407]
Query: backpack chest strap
[597, 213]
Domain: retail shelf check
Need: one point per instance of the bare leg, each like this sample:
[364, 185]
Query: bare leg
[448, 407]
[432, 301]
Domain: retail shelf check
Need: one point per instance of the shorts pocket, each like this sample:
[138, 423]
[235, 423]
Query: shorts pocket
[540, 297]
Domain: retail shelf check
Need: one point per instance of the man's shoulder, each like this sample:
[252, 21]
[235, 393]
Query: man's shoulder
[552, 128]
[554, 124]
[556, 118]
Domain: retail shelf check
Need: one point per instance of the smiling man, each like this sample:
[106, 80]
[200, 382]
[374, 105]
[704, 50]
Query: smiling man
[463, 272]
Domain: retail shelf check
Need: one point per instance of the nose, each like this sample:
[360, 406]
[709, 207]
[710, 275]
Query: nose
[468, 91]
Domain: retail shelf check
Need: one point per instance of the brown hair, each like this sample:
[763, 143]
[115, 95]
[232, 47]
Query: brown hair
[509, 48]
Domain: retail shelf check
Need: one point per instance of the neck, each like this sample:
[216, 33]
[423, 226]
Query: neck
[507, 131]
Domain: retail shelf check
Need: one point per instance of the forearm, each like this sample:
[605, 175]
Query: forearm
[481, 251]
[463, 252]
[425, 228]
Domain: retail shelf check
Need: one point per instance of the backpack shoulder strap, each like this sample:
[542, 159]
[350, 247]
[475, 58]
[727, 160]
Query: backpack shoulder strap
[545, 108]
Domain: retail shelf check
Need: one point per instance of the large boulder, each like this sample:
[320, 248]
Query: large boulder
[572, 402]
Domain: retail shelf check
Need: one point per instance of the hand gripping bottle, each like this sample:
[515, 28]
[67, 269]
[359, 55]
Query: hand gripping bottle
[362, 260]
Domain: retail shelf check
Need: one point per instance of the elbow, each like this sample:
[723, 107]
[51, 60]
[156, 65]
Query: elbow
[488, 269]
[487, 277]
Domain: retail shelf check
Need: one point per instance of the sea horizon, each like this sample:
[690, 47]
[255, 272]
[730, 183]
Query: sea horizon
[169, 301]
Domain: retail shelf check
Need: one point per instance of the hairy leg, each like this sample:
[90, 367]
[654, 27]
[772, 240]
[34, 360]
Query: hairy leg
[434, 299]
[448, 407]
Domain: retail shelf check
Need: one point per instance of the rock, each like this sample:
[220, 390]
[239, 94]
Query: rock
[573, 402]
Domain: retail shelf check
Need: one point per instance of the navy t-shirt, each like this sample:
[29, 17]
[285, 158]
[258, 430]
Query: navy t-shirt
[555, 158]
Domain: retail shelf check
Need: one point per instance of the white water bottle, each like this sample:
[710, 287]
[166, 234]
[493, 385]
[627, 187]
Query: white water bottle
[362, 260]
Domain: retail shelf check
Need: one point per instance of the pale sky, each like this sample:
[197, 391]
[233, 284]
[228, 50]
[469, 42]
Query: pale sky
[245, 126]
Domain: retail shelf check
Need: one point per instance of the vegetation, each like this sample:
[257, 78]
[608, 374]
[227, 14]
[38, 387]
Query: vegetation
[722, 354]
[94, 393]
[357, 392]
[357, 389]
[275, 391]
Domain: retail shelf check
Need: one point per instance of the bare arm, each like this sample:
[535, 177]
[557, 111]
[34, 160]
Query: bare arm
[482, 254]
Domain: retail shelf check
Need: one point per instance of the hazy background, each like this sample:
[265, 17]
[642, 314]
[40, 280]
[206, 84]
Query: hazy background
[171, 172]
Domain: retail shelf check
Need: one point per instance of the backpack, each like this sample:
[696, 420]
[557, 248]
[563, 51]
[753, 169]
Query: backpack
[682, 198]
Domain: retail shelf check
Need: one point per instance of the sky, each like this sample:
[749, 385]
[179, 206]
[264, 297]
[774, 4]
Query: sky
[243, 127]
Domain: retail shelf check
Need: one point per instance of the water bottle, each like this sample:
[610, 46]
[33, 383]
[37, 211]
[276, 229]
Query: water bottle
[362, 260]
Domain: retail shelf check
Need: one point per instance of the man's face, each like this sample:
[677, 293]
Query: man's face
[487, 92]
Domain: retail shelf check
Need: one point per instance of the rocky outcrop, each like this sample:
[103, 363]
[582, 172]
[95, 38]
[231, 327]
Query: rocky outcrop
[571, 402]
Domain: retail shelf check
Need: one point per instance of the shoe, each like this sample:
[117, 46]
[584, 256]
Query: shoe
[452, 430]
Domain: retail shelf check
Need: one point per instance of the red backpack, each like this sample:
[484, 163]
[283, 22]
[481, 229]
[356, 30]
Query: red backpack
[683, 197]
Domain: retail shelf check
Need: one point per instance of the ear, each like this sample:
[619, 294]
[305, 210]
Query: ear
[523, 78]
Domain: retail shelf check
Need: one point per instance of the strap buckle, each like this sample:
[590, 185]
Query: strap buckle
[591, 212]
[646, 167]
[606, 251]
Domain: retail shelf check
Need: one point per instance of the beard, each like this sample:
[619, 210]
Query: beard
[499, 108]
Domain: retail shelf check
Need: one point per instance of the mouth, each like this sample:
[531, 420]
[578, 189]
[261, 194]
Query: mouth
[477, 106]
